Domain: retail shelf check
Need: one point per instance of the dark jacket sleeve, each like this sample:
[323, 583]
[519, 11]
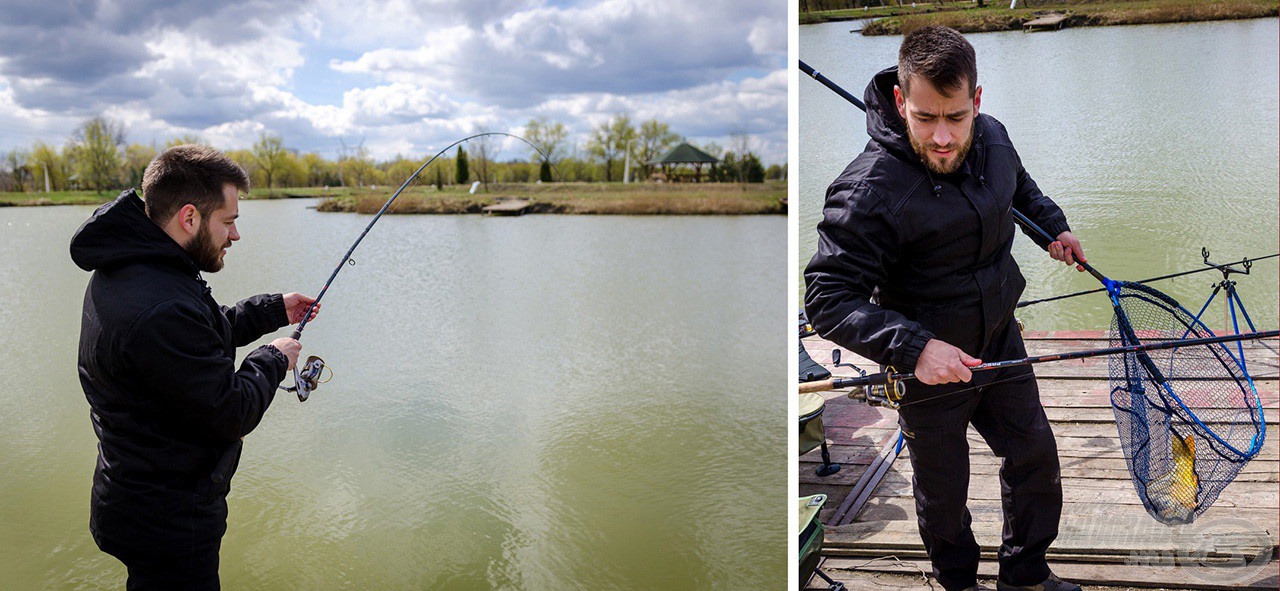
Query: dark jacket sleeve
[857, 242]
[256, 316]
[192, 382]
[1028, 199]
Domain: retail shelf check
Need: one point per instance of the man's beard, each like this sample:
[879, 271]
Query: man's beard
[958, 154]
[202, 249]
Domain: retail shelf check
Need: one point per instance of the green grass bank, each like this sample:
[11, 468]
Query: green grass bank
[997, 16]
[564, 198]
[580, 198]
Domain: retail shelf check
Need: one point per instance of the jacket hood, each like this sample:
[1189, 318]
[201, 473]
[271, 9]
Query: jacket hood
[120, 233]
[884, 124]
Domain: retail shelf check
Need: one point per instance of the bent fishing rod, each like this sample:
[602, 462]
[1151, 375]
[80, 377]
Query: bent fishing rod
[306, 381]
[894, 379]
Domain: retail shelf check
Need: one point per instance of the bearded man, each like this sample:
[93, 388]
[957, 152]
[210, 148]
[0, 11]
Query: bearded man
[157, 364]
[914, 271]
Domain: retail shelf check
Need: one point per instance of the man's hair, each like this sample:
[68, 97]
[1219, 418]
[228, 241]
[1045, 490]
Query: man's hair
[940, 55]
[192, 174]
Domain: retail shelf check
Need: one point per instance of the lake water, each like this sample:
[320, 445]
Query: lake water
[1156, 140]
[546, 402]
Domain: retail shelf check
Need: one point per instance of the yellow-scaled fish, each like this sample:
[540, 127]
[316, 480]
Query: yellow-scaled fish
[1174, 493]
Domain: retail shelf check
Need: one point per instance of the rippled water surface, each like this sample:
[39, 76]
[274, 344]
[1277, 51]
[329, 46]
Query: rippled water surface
[1156, 140]
[546, 402]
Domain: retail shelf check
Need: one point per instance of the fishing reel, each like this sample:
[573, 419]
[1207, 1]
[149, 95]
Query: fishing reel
[888, 394]
[308, 379]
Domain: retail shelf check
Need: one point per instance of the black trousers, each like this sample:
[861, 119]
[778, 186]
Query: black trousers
[1005, 409]
[167, 568]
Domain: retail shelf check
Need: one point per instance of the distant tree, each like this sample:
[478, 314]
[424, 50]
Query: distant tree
[46, 160]
[463, 172]
[186, 138]
[269, 155]
[739, 144]
[136, 159]
[608, 141]
[356, 167]
[775, 172]
[484, 149]
[655, 139]
[752, 169]
[550, 138]
[399, 169]
[320, 172]
[439, 179]
[293, 171]
[98, 141]
[16, 163]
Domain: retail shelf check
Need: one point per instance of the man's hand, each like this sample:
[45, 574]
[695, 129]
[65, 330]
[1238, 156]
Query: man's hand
[1068, 250]
[941, 363]
[290, 348]
[296, 304]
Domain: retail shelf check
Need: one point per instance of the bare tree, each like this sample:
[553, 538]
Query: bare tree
[740, 145]
[484, 148]
[17, 163]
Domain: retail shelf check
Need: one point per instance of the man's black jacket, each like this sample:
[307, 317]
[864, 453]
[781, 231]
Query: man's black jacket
[933, 250]
[157, 364]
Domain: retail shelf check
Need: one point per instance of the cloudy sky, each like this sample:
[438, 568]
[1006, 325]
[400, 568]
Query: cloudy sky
[401, 76]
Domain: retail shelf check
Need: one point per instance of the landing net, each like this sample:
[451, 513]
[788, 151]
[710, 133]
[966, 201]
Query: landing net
[1189, 418]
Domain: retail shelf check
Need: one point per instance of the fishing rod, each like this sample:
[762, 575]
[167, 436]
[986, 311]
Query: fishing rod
[816, 75]
[1245, 261]
[306, 381]
[893, 379]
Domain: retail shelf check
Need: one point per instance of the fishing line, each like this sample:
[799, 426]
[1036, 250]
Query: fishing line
[1145, 281]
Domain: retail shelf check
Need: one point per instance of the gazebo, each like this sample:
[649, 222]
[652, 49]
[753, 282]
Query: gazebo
[685, 153]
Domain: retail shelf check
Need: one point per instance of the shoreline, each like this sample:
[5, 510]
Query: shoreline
[993, 18]
[767, 198]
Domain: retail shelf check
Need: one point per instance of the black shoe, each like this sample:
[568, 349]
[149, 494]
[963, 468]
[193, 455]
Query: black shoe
[1053, 583]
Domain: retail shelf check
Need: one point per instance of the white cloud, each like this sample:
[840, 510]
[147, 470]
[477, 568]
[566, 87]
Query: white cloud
[403, 76]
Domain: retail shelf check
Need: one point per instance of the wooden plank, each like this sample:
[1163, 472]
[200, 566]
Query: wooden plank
[1186, 573]
[1116, 536]
[902, 508]
[506, 207]
[1262, 495]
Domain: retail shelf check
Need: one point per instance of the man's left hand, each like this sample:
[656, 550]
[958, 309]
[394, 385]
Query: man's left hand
[296, 304]
[1068, 250]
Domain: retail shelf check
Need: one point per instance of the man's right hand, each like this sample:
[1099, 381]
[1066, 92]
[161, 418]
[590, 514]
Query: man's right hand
[291, 348]
[942, 363]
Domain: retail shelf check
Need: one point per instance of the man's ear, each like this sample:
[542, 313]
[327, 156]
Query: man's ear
[900, 98]
[189, 219]
[977, 100]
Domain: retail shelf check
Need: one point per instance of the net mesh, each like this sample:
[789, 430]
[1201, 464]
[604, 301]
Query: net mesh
[1189, 418]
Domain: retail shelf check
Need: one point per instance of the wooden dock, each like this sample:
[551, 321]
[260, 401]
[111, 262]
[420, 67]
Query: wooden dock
[1048, 22]
[507, 207]
[1106, 537]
